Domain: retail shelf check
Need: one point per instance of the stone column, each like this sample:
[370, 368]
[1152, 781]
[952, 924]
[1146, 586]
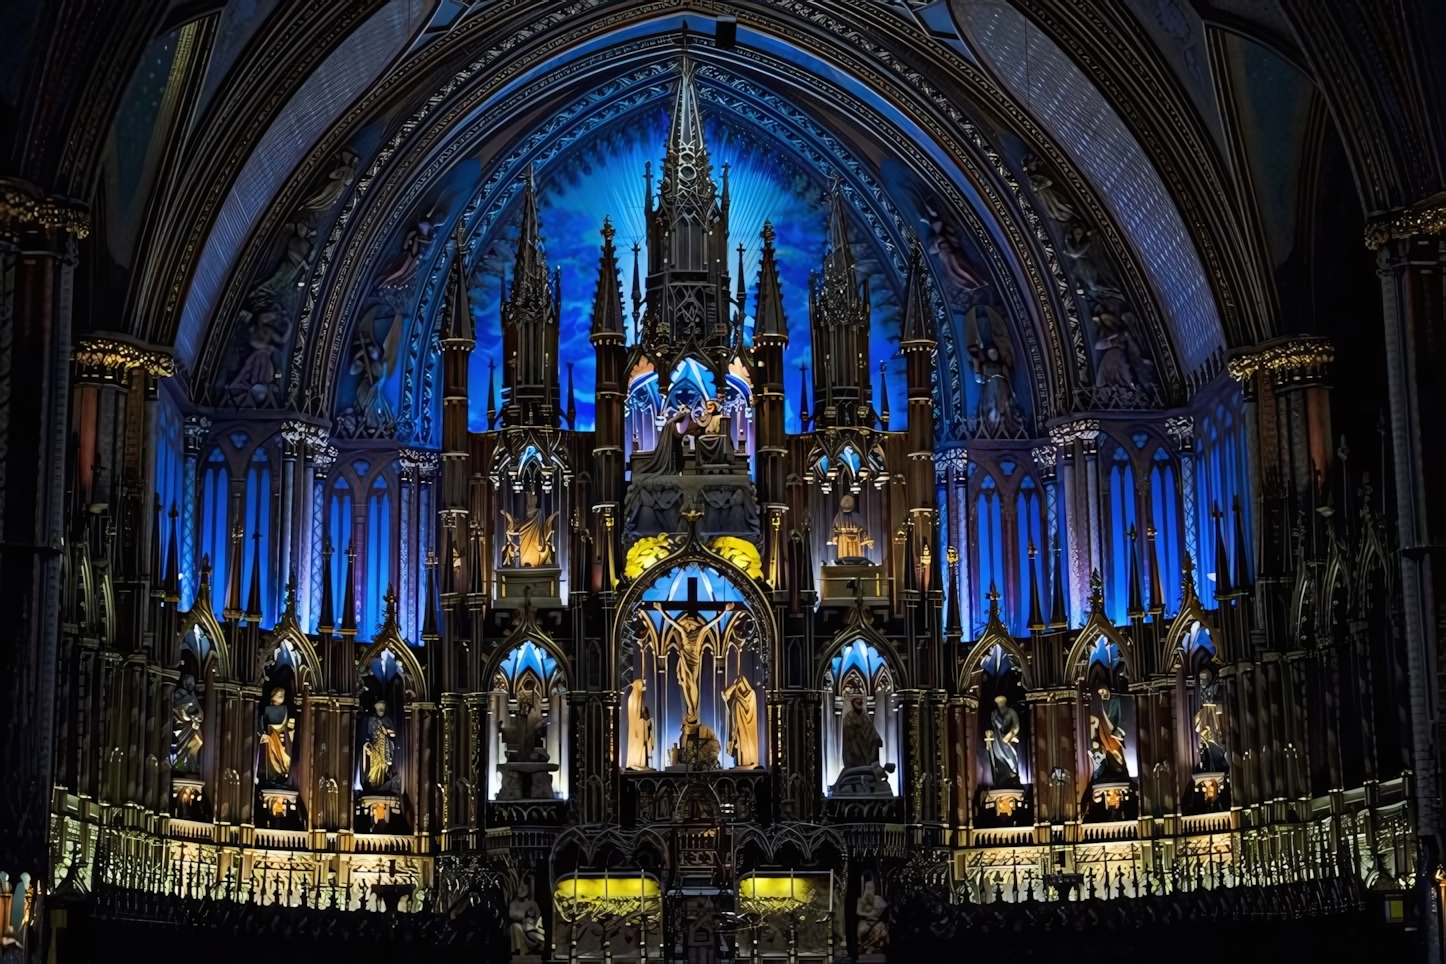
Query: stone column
[1409, 257]
[37, 259]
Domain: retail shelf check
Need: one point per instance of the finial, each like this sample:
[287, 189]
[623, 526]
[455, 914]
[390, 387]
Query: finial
[608, 231]
[768, 233]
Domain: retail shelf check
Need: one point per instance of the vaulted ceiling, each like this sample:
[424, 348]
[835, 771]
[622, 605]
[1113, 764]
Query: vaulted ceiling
[286, 161]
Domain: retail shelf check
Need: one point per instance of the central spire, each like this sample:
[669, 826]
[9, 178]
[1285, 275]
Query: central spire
[687, 170]
[688, 291]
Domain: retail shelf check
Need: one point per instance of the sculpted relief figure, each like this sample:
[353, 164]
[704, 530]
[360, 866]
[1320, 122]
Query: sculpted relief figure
[640, 728]
[1002, 739]
[1209, 719]
[529, 539]
[689, 634]
[186, 718]
[525, 922]
[278, 727]
[850, 535]
[379, 753]
[1107, 738]
[873, 930]
[742, 700]
[861, 741]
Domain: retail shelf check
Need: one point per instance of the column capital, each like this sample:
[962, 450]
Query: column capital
[196, 430]
[1181, 429]
[418, 464]
[945, 460]
[108, 358]
[23, 206]
[1086, 431]
[1290, 362]
[1046, 457]
[1424, 219]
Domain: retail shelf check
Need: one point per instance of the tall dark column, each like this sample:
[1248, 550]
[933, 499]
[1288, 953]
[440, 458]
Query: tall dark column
[37, 260]
[1410, 255]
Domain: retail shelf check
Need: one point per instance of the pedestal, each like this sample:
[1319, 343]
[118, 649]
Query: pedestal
[380, 807]
[541, 584]
[1004, 801]
[527, 781]
[279, 802]
[864, 782]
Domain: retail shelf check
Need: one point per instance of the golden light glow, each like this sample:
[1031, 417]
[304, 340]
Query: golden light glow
[772, 887]
[740, 552]
[646, 553]
[606, 888]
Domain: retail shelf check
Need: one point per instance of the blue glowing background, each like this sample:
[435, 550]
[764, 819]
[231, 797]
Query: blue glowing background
[604, 178]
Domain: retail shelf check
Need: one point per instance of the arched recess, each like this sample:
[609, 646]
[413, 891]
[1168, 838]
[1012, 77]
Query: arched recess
[899, 88]
[389, 640]
[698, 635]
[860, 672]
[200, 615]
[528, 720]
[996, 674]
[1192, 619]
[995, 634]
[1102, 665]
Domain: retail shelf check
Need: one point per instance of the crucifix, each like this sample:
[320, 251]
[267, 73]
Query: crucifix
[690, 632]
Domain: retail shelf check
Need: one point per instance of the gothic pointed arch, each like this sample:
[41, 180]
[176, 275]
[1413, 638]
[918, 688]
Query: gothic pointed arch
[389, 640]
[1096, 630]
[995, 634]
[1191, 619]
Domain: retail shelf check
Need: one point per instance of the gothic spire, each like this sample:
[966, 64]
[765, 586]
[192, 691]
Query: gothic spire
[918, 327]
[1036, 618]
[1135, 606]
[531, 264]
[459, 313]
[253, 596]
[1241, 575]
[1058, 614]
[637, 289]
[348, 594]
[1222, 556]
[838, 261]
[742, 288]
[327, 622]
[607, 306]
[172, 580]
[769, 322]
[687, 160]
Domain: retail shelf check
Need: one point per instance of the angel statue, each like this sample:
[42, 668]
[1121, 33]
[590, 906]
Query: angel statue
[1054, 203]
[529, 539]
[370, 415]
[960, 276]
[993, 360]
[1121, 364]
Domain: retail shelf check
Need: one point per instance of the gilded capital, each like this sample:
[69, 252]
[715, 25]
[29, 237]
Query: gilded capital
[113, 357]
[1289, 361]
[1421, 220]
